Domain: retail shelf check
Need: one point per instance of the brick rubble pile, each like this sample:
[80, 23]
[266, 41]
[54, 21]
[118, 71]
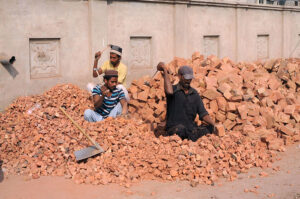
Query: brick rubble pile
[258, 103]
[253, 98]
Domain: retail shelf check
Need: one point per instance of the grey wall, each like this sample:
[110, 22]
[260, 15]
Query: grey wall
[21, 21]
[54, 41]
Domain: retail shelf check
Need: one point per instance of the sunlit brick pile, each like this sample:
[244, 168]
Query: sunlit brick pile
[258, 103]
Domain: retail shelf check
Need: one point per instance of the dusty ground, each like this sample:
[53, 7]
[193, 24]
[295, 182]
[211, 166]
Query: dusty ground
[283, 184]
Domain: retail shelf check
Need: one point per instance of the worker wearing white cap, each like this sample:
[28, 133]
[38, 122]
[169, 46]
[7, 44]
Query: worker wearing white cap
[113, 64]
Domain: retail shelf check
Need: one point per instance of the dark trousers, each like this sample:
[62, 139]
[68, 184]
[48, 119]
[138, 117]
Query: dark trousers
[190, 134]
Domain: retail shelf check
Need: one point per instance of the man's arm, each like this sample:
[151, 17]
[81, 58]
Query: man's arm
[208, 120]
[203, 114]
[167, 83]
[98, 99]
[97, 57]
[124, 106]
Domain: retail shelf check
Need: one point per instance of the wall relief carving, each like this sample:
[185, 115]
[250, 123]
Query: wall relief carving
[262, 46]
[211, 45]
[44, 58]
[140, 50]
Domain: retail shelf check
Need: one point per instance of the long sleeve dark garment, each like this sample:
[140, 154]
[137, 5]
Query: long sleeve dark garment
[183, 108]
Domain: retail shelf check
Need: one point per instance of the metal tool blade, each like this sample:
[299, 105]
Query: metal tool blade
[87, 152]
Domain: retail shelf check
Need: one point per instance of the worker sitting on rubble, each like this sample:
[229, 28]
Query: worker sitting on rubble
[183, 104]
[109, 101]
[113, 64]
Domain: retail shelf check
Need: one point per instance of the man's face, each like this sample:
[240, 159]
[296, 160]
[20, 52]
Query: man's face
[114, 59]
[185, 83]
[111, 83]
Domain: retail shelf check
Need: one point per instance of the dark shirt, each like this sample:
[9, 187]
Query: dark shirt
[183, 108]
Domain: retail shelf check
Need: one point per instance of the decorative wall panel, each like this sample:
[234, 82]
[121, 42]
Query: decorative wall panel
[140, 52]
[211, 45]
[262, 46]
[44, 58]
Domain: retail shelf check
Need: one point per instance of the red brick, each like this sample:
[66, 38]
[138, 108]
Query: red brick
[214, 106]
[211, 94]
[286, 130]
[133, 89]
[263, 92]
[275, 144]
[273, 83]
[220, 130]
[242, 109]
[220, 116]
[211, 82]
[228, 124]
[263, 174]
[231, 106]
[215, 61]
[224, 87]
[228, 95]
[289, 109]
[296, 116]
[222, 103]
[270, 64]
[231, 116]
[248, 128]
[282, 117]
[143, 96]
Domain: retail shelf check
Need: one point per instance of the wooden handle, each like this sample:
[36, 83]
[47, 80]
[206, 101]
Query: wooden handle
[154, 73]
[98, 75]
[105, 48]
[108, 46]
[82, 131]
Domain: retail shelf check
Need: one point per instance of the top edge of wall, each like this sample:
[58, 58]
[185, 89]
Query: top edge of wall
[216, 3]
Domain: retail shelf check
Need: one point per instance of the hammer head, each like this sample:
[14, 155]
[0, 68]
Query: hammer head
[12, 60]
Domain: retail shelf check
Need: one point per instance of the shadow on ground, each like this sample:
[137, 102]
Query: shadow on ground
[1, 172]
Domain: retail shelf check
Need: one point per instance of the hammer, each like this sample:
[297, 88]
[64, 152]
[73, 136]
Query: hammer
[159, 67]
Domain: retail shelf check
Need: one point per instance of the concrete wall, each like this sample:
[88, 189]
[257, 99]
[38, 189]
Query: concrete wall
[146, 33]
[22, 21]
[212, 30]
[54, 41]
[263, 41]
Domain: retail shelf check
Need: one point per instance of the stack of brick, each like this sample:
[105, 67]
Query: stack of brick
[42, 144]
[257, 99]
[260, 115]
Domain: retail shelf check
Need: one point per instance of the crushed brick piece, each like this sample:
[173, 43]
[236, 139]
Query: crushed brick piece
[263, 174]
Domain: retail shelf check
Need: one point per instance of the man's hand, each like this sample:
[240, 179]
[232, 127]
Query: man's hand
[167, 83]
[219, 130]
[97, 55]
[105, 91]
[215, 130]
[161, 66]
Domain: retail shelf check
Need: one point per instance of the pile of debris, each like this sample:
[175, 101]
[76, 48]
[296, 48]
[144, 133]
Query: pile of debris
[257, 99]
[258, 105]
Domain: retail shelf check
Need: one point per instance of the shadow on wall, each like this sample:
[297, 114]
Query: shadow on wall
[1, 172]
[10, 69]
[8, 65]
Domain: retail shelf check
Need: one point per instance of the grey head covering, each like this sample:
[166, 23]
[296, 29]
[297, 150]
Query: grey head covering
[116, 49]
[186, 72]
